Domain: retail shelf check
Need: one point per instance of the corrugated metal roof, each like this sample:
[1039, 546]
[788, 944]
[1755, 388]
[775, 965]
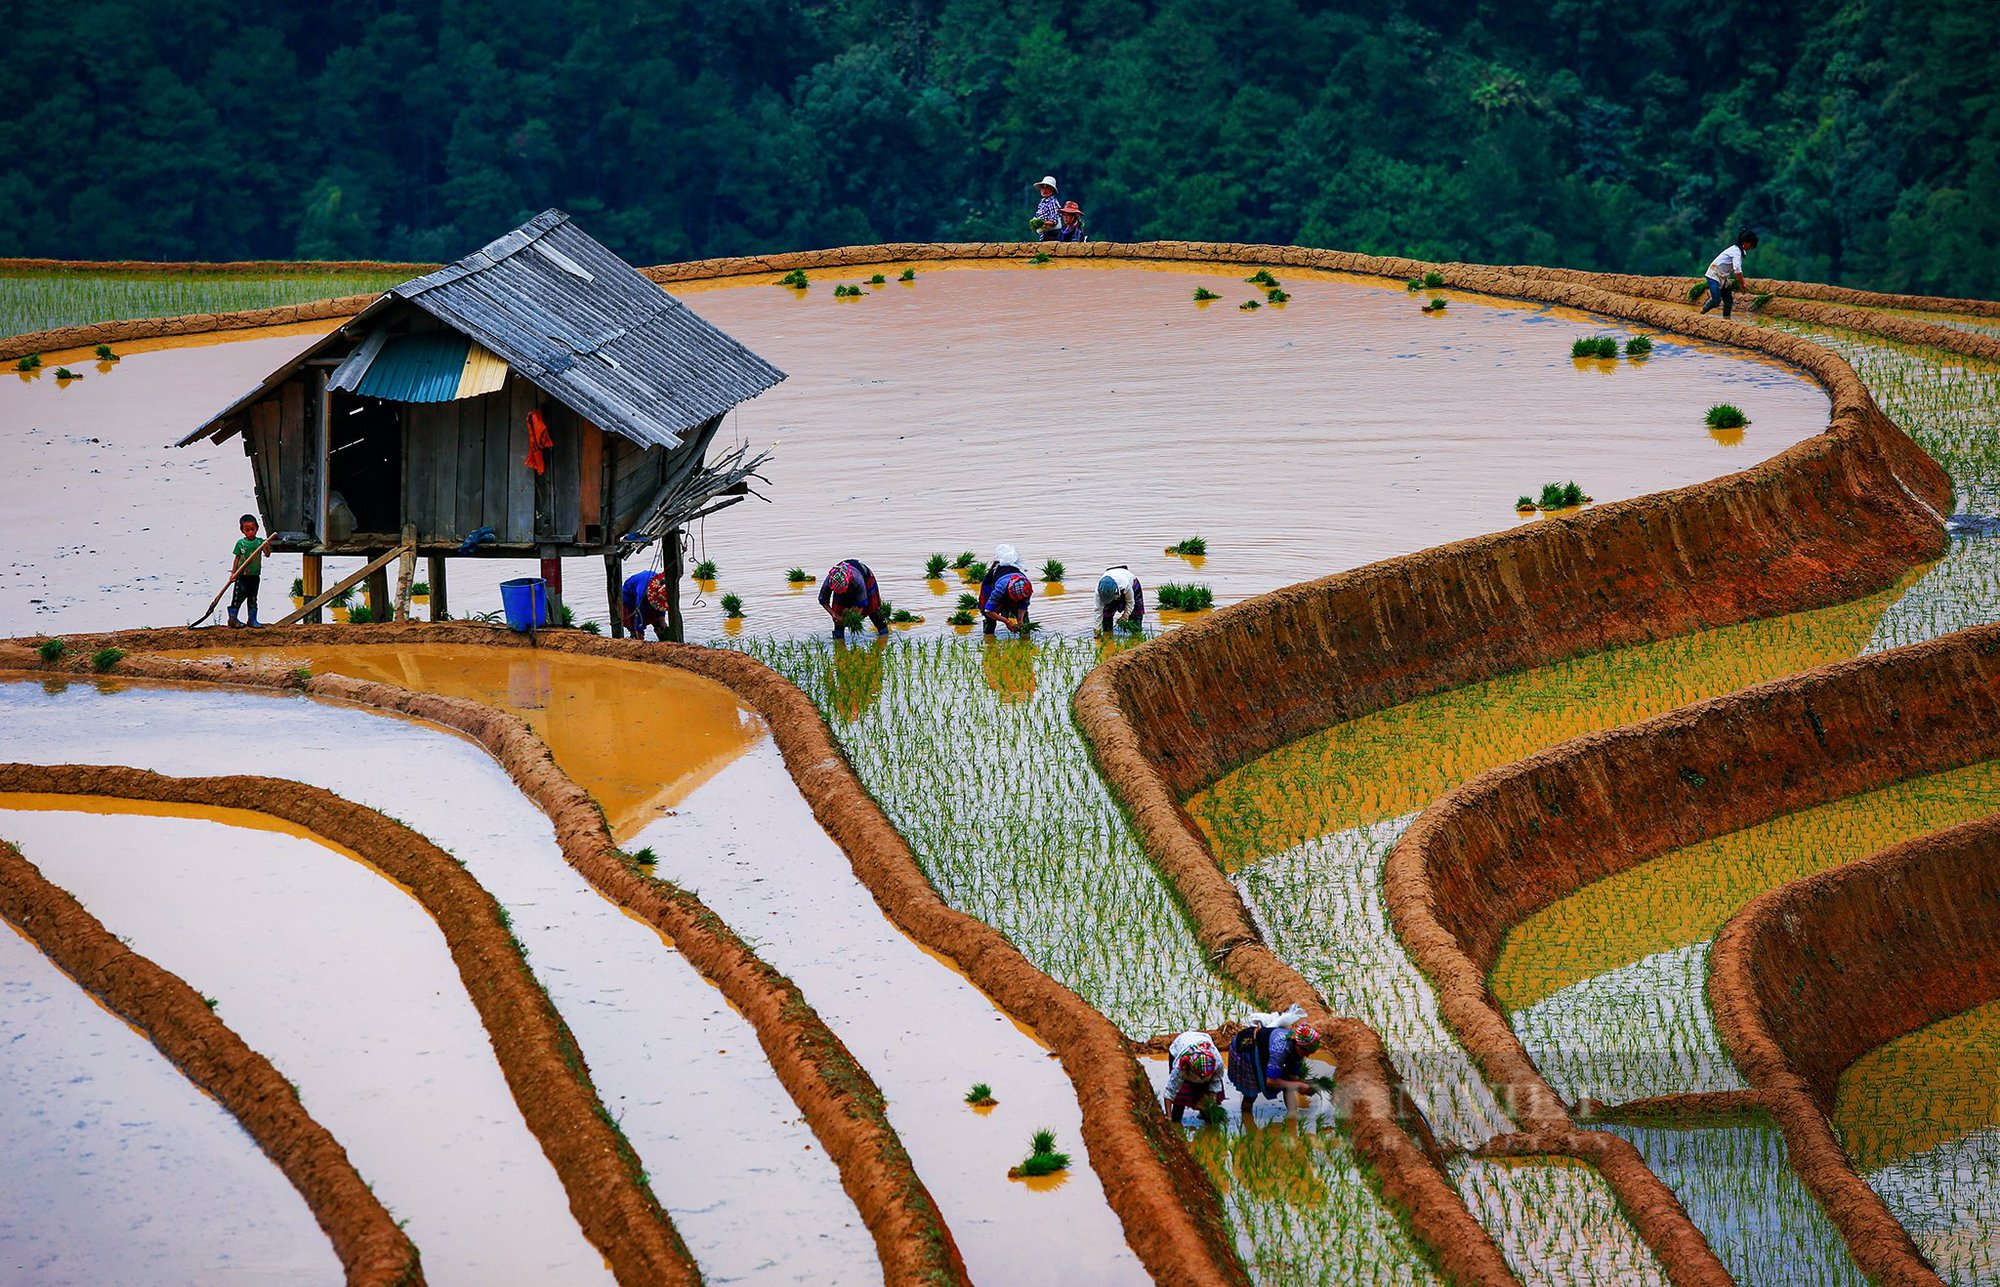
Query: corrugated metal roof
[575, 319]
[485, 372]
[416, 368]
[587, 328]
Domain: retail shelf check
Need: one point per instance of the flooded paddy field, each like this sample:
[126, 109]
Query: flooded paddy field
[958, 411]
[384, 1047]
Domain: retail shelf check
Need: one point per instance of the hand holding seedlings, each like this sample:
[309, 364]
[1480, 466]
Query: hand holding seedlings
[1005, 592]
[1194, 1076]
[1120, 598]
[849, 593]
[1268, 1058]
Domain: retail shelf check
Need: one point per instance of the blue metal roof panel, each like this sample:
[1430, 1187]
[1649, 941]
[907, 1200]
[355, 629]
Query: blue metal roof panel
[417, 368]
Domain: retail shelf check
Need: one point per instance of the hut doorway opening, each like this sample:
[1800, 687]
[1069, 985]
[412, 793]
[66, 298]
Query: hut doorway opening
[365, 461]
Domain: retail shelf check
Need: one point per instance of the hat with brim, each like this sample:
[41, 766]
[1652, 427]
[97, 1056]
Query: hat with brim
[1071, 207]
[1046, 181]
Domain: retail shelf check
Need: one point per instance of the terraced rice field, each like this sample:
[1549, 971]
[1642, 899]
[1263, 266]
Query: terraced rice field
[970, 748]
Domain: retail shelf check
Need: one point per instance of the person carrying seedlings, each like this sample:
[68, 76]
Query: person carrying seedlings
[247, 566]
[849, 586]
[643, 600]
[1048, 211]
[1119, 596]
[1194, 1075]
[1268, 1058]
[1069, 222]
[1725, 272]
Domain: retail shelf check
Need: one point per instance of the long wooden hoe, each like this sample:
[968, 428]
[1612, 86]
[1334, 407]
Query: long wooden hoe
[346, 583]
[233, 574]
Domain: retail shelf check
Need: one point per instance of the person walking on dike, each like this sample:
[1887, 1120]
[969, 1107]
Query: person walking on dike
[1070, 225]
[1119, 597]
[1268, 1058]
[246, 566]
[1048, 211]
[849, 586]
[1194, 1075]
[643, 600]
[1725, 272]
[1005, 591]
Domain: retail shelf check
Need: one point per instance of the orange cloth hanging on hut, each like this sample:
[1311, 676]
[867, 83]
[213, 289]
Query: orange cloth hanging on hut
[539, 440]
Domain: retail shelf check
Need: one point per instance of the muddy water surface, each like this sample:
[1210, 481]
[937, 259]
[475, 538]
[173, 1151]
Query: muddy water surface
[1089, 413]
[743, 1178]
[117, 1169]
[387, 1052]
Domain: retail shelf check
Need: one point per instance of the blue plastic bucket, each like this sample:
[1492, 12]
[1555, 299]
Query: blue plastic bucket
[525, 600]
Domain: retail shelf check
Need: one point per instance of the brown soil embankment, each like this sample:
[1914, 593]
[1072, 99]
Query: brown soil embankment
[1679, 288]
[172, 1015]
[544, 1068]
[1819, 308]
[1811, 976]
[1170, 1212]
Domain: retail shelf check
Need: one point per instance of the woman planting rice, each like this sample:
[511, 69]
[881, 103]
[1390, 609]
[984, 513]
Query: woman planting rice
[1268, 1058]
[849, 587]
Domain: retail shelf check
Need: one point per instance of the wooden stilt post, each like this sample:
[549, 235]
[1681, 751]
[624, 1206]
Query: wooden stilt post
[380, 606]
[406, 571]
[314, 570]
[440, 609]
[676, 628]
[614, 582]
[552, 573]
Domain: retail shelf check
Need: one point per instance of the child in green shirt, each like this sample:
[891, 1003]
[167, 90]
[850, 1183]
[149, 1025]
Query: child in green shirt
[249, 556]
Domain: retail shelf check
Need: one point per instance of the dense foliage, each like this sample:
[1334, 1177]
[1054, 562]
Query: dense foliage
[1862, 136]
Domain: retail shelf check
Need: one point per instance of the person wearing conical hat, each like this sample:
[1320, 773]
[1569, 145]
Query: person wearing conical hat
[1048, 211]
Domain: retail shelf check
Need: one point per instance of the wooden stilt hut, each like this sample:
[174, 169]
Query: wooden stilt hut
[537, 399]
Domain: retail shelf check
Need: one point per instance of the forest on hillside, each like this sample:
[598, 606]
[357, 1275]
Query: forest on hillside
[1861, 137]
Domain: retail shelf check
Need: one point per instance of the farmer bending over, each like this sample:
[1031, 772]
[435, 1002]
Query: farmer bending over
[643, 600]
[1269, 1057]
[1119, 596]
[850, 587]
[1005, 591]
[1725, 272]
[1194, 1075]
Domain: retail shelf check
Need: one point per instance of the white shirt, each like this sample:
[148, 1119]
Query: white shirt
[1726, 266]
[1121, 576]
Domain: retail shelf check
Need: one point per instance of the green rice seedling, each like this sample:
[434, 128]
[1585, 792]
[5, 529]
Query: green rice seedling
[1249, 304]
[1262, 277]
[342, 599]
[1214, 1114]
[591, 627]
[104, 353]
[360, 615]
[909, 275]
[797, 576]
[934, 566]
[732, 606]
[64, 373]
[29, 363]
[1053, 570]
[209, 1001]
[1275, 296]
[33, 300]
[1043, 1159]
[1416, 284]
[645, 857]
[301, 675]
[1757, 302]
[1203, 294]
[298, 587]
[1040, 257]
[1437, 305]
[796, 279]
[1552, 496]
[1132, 627]
[976, 570]
[964, 560]
[565, 616]
[705, 570]
[104, 659]
[904, 617]
[1192, 547]
[959, 618]
[1524, 502]
[1583, 347]
[51, 650]
[1185, 597]
[1433, 279]
[1724, 415]
[841, 291]
[850, 619]
[878, 280]
[1696, 291]
[1607, 346]
[981, 1095]
[1639, 346]
[968, 602]
[420, 589]
[1572, 494]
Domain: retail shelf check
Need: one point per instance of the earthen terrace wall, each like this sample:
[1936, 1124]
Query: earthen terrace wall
[1809, 977]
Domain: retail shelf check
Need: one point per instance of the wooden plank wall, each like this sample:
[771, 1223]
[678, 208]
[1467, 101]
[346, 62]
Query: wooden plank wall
[522, 398]
[635, 482]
